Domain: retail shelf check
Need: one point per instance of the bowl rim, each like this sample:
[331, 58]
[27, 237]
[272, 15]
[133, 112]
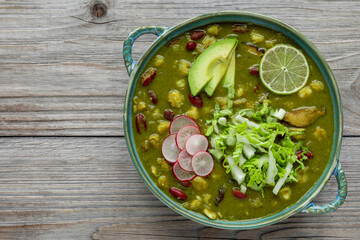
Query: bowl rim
[307, 46]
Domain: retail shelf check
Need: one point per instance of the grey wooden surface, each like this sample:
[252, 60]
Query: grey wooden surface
[64, 168]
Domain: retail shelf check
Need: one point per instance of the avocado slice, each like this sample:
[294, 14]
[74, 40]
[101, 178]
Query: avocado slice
[229, 81]
[229, 78]
[210, 67]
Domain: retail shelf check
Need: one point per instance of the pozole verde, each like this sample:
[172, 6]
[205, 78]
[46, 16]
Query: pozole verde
[268, 148]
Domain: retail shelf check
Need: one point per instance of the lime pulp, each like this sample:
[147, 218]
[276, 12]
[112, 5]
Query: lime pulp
[284, 69]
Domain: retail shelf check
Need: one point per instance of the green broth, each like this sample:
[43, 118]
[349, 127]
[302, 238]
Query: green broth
[165, 81]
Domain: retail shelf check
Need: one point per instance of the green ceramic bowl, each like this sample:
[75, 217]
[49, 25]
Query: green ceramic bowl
[164, 34]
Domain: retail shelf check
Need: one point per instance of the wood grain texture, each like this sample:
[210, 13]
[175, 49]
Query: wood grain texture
[81, 188]
[62, 73]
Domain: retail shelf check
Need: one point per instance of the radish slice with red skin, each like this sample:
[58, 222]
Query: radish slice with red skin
[182, 175]
[202, 163]
[184, 160]
[179, 122]
[196, 143]
[184, 133]
[169, 149]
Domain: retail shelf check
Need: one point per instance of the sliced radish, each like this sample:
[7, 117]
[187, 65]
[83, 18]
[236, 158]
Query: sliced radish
[181, 121]
[202, 163]
[182, 175]
[184, 160]
[169, 149]
[184, 133]
[196, 143]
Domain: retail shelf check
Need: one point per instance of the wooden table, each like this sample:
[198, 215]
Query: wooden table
[65, 172]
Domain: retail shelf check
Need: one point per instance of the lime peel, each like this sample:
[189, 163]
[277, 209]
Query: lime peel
[283, 69]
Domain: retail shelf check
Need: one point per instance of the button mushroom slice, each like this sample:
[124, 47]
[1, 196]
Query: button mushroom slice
[304, 116]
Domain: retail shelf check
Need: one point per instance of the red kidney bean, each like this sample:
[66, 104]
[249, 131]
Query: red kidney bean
[173, 42]
[240, 28]
[253, 47]
[249, 44]
[196, 100]
[237, 193]
[256, 88]
[177, 193]
[148, 76]
[169, 114]
[254, 71]
[220, 197]
[191, 45]
[298, 154]
[186, 184]
[197, 34]
[140, 118]
[280, 136]
[152, 96]
[308, 154]
[259, 51]
[263, 50]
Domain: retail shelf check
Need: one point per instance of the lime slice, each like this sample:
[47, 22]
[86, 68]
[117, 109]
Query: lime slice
[284, 69]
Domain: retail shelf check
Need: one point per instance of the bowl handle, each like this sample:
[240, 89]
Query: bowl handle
[340, 197]
[127, 48]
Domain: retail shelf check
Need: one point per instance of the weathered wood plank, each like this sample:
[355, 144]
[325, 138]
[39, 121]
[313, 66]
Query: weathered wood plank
[62, 73]
[74, 188]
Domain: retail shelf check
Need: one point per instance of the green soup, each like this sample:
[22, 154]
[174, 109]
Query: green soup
[171, 63]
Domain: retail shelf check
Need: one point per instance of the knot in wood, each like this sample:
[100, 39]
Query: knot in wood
[99, 10]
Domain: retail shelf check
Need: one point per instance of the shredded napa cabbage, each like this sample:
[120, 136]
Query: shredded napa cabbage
[255, 147]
